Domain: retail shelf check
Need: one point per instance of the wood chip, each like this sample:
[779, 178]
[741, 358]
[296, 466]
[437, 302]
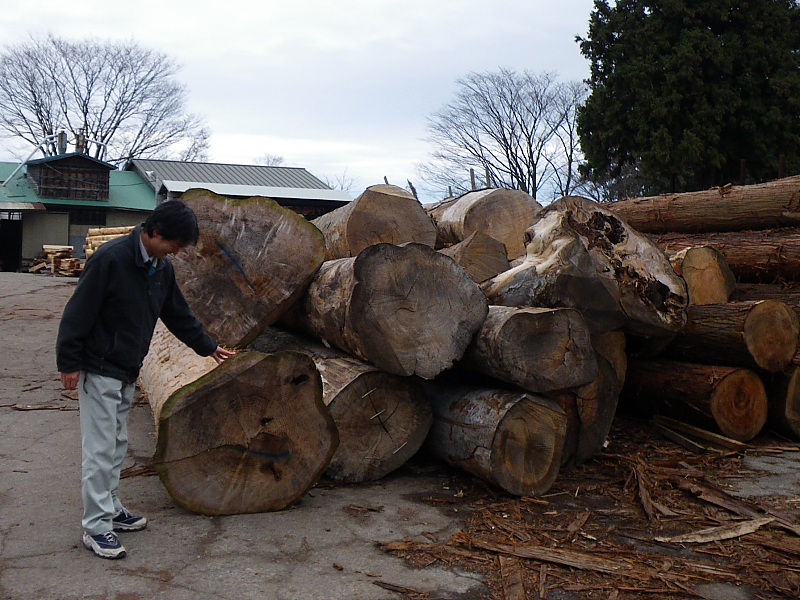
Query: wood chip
[715, 534]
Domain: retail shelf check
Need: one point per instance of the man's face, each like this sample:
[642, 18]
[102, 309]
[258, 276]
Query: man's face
[161, 247]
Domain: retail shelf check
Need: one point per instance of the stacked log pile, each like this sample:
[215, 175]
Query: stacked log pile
[58, 260]
[737, 358]
[97, 236]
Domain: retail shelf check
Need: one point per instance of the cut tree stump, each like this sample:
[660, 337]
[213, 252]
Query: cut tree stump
[512, 439]
[382, 419]
[250, 435]
[753, 256]
[540, 349]
[481, 256]
[708, 277]
[762, 334]
[783, 392]
[381, 214]
[253, 260]
[727, 208]
[731, 399]
[409, 310]
[500, 213]
[581, 256]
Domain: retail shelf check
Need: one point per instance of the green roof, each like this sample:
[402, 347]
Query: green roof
[126, 189]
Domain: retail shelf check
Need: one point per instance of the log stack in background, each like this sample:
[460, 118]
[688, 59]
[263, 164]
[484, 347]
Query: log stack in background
[748, 236]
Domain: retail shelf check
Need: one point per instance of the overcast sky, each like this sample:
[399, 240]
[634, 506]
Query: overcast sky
[327, 85]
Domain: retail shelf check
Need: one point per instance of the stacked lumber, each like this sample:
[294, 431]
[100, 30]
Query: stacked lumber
[58, 260]
[737, 248]
[97, 236]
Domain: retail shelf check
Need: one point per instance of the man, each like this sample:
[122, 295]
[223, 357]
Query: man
[104, 335]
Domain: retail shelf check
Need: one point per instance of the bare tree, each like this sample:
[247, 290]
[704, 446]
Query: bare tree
[344, 181]
[120, 96]
[270, 160]
[512, 129]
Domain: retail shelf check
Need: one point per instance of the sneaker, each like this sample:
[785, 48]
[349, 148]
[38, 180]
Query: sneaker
[104, 545]
[125, 521]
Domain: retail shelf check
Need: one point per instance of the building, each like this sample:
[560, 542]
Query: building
[292, 187]
[54, 200]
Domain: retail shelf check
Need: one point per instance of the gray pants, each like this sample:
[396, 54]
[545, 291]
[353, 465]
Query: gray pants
[104, 406]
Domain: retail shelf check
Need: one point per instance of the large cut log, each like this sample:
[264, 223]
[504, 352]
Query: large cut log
[708, 277]
[540, 349]
[498, 212]
[382, 419]
[253, 260]
[381, 214]
[611, 346]
[409, 310]
[783, 392]
[788, 294]
[726, 208]
[513, 439]
[732, 399]
[762, 334]
[754, 256]
[481, 256]
[581, 256]
[250, 435]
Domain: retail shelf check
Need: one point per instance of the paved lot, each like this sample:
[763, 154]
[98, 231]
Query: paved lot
[324, 547]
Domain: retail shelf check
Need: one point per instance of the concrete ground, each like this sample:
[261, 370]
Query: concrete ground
[324, 547]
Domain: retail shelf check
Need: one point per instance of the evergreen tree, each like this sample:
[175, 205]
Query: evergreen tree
[682, 90]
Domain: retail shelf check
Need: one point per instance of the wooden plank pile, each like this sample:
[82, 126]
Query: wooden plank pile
[58, 260]
[507, 373]
[735, 366]
[97, 236]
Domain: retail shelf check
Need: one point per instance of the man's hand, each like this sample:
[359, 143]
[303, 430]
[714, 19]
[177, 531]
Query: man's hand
[220, 354]
[70, 380]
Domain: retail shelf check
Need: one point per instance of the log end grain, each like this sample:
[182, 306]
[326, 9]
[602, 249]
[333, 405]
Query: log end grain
[708, 277]
[772, 334]
[739, 405]
[252, 435]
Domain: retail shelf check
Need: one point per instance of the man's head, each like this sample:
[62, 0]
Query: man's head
[170, 227]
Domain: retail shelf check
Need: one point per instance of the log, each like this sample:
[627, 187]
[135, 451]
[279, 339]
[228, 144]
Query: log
[512, 439]
[253, 260]
[596, 405]
[540, 349]
[409, 310]
[762, 334]
[727, 208]
[611, 346]
[708, 277]
[250, 435]
[788, 294]
[382, 419]
[381, 214]
[497, 212]
[581, 256]
[753, 256]
[732, 400]
[116, 231]
[481, 256]
[783, 393]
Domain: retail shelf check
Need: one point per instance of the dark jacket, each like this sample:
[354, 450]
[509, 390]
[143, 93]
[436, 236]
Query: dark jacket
[109, 320]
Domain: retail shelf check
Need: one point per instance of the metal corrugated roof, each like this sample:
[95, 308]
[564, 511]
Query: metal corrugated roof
[228, 189]
[252, 175]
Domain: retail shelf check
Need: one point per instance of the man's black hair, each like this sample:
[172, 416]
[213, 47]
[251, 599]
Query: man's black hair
[174, 221]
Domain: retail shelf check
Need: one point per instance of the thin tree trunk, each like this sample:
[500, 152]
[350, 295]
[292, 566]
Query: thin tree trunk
[253, 260]
[250, 435]
[382, 419]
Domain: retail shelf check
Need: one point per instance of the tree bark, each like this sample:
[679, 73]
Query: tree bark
[596, 407]
[481, 256]
[539, 349]
[382, 419]
[731, 399]
[381, 214]
[408, 310]
[708, 277]
[250, 435]
[753, 256]
[762, 334]
[788, 294]
[498, 212]
[581, 256]
[512, 439]
[727, 208]
[253, 260]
